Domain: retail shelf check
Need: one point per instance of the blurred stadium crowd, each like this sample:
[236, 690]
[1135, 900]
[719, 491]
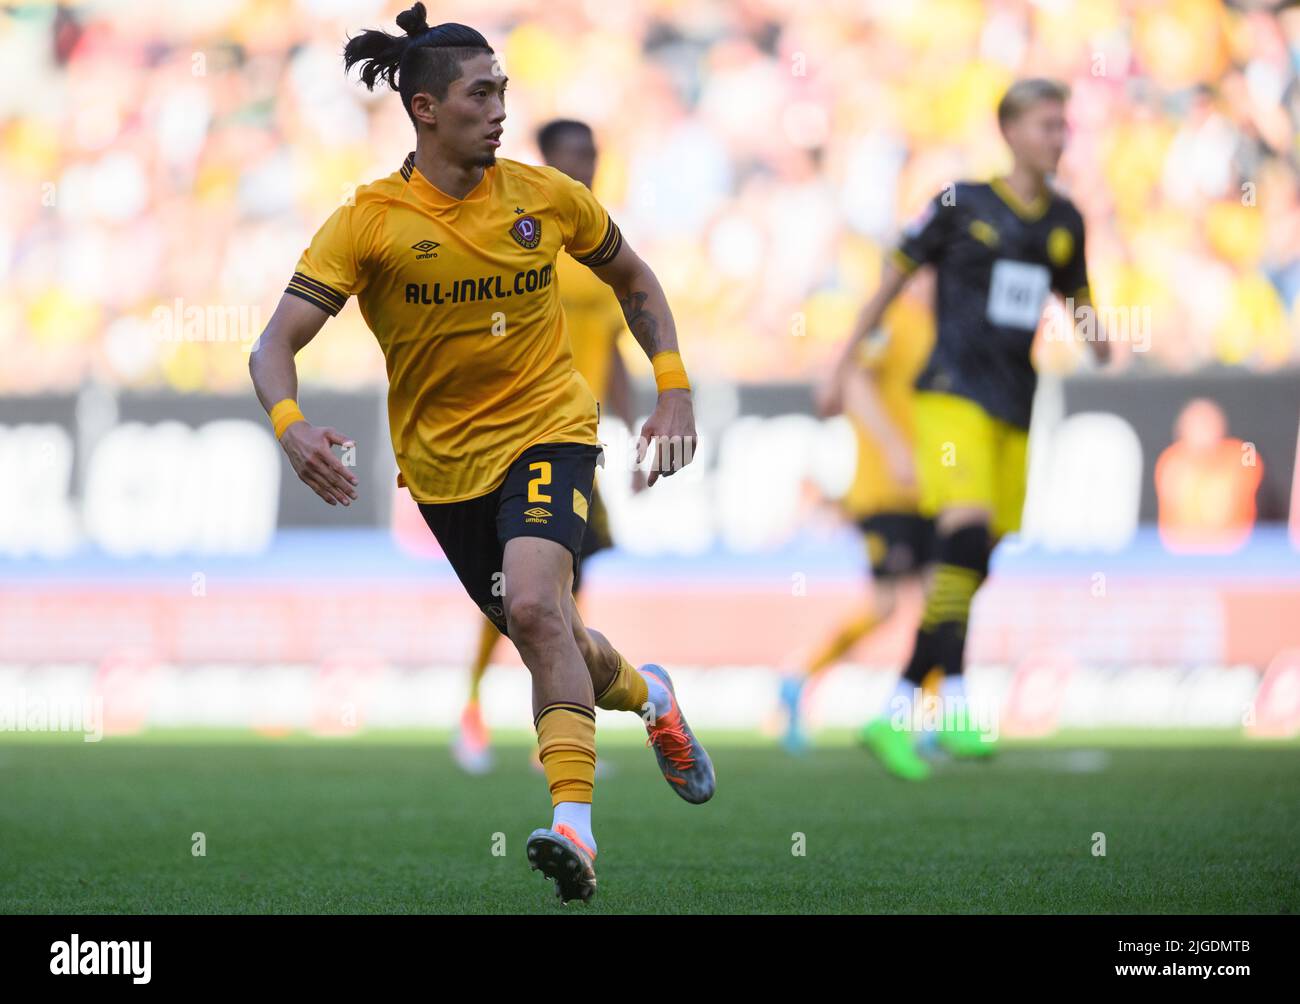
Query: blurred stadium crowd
[761, 154]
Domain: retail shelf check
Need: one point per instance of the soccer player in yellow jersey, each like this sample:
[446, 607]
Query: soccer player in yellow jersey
[999, 250]
[595, 323]
[876, 395]
[452, 261]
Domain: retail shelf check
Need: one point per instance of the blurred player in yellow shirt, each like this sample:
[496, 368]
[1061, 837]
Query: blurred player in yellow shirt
[452, 261]
[876, 395]
[595, 324]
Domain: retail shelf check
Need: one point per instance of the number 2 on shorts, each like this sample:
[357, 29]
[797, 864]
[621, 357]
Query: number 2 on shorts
[543, 469]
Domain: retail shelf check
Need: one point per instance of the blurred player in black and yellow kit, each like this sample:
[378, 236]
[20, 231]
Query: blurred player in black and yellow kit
[595, 323]
[452, 261]
[876, 395]
[999, 251]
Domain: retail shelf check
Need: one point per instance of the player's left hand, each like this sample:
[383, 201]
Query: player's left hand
[670, 434]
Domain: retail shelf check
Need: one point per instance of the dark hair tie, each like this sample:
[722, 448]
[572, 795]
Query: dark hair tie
[414, 21]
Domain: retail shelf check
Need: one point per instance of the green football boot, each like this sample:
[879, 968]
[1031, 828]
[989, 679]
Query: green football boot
[895, 749]
[966, 743]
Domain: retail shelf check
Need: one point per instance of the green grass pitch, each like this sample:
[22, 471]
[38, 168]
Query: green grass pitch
[385, 823]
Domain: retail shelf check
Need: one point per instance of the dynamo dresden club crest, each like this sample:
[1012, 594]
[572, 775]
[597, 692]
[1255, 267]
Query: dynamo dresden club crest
[527, 231]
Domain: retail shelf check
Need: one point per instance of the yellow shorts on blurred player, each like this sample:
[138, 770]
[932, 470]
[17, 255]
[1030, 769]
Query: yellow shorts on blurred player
[967, 457]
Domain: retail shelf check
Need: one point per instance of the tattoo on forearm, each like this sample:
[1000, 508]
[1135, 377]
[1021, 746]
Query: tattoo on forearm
[643, 324]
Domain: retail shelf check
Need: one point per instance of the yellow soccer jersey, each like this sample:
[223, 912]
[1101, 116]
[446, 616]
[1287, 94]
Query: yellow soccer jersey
[594, 319]
[892, 362]
[462, 297]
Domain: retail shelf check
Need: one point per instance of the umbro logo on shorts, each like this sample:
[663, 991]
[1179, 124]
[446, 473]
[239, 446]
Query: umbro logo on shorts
[536, 515]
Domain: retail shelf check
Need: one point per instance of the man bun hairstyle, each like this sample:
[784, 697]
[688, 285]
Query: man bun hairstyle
[424, 59]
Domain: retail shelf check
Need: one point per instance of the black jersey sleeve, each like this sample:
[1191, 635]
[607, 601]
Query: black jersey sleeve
[924, 238]
[1071, 277]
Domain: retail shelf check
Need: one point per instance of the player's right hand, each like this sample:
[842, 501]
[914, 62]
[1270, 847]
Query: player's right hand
[308, 448]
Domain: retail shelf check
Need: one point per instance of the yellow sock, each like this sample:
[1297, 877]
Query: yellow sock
[844, 639]
[487, 641]
[566, 743]
[626, 692]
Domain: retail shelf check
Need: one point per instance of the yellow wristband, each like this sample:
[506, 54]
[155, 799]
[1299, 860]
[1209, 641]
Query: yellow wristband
[670, 374]
[284, 414]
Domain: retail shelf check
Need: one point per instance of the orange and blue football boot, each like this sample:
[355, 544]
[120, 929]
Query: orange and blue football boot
[562, 857]
[685, 764]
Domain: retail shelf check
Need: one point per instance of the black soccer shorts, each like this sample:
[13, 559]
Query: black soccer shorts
[596, 539]
[898, 543]
[546, 493]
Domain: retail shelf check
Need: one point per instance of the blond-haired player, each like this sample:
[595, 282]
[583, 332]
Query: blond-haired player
[999, 250]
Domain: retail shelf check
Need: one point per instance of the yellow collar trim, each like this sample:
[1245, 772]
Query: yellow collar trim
[1026, 211]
